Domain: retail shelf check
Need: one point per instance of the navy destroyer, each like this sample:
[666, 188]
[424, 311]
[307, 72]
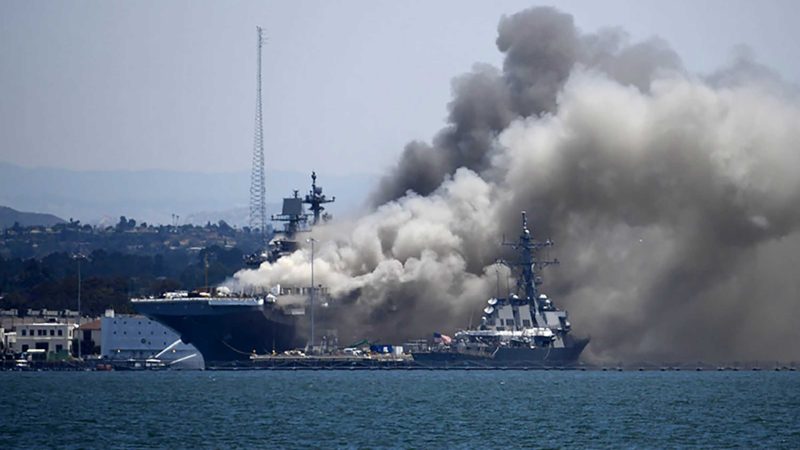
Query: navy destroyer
[524, 329]
[228, 327]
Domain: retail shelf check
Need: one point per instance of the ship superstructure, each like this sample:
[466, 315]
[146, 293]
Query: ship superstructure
[295, 220]
[523, 329]
[315, 200]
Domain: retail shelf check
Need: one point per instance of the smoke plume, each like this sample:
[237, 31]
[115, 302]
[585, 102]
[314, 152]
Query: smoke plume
[672, 198]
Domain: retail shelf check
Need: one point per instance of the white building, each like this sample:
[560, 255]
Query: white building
[10, 319]
[50, 337]
[137, 337]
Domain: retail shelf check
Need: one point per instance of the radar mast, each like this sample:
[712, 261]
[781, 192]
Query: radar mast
[315, 198]
[527, 248]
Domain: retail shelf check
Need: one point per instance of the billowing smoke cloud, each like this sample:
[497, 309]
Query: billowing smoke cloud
[542, 48]
[673, 198]
[406, 269]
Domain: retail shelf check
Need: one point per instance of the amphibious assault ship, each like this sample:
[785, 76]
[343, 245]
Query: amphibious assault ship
[227, 327]
[524, 329]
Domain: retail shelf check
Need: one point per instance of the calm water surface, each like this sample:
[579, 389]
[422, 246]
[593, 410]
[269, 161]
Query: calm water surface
[396, 409]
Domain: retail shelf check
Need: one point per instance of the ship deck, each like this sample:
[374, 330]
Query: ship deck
[405, 362]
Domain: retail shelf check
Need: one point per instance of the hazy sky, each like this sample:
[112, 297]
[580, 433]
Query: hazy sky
[171, 84]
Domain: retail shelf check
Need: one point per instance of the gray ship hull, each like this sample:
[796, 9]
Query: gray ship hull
[505, 357]
[226, 334]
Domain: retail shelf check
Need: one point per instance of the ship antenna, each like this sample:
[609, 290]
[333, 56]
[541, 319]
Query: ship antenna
[258, 211]
[205, 263]
[311, 306]
[497, 273]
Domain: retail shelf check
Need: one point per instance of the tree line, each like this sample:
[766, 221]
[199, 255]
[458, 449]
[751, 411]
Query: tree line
[108, 279]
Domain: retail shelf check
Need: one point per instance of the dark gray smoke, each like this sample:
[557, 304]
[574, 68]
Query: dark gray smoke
[673, 198]
[542, 47]
[665, 203]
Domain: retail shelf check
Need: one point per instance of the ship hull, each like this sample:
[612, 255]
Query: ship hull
[505, 357]
[226, 334]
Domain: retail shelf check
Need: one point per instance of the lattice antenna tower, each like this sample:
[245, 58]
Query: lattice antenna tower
[258, 212]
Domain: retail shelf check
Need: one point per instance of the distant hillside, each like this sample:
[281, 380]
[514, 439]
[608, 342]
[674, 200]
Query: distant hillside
[155, 196]
[8, 216]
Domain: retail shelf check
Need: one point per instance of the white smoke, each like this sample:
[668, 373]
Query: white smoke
[403, 266]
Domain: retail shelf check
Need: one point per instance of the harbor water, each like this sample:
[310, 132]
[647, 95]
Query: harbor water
[400, 409]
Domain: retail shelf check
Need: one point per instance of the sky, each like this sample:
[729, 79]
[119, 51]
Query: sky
[170, 85]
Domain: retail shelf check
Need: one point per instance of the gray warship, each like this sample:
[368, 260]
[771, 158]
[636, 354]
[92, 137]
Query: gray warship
[523, 330]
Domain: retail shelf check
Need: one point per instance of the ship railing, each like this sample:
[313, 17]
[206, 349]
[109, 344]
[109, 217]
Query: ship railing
[526, 332]
[235, 301]
[209, 300]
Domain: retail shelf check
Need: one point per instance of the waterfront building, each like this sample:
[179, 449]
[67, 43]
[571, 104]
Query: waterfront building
[89, 336]
[49, 337]
[12, 319]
